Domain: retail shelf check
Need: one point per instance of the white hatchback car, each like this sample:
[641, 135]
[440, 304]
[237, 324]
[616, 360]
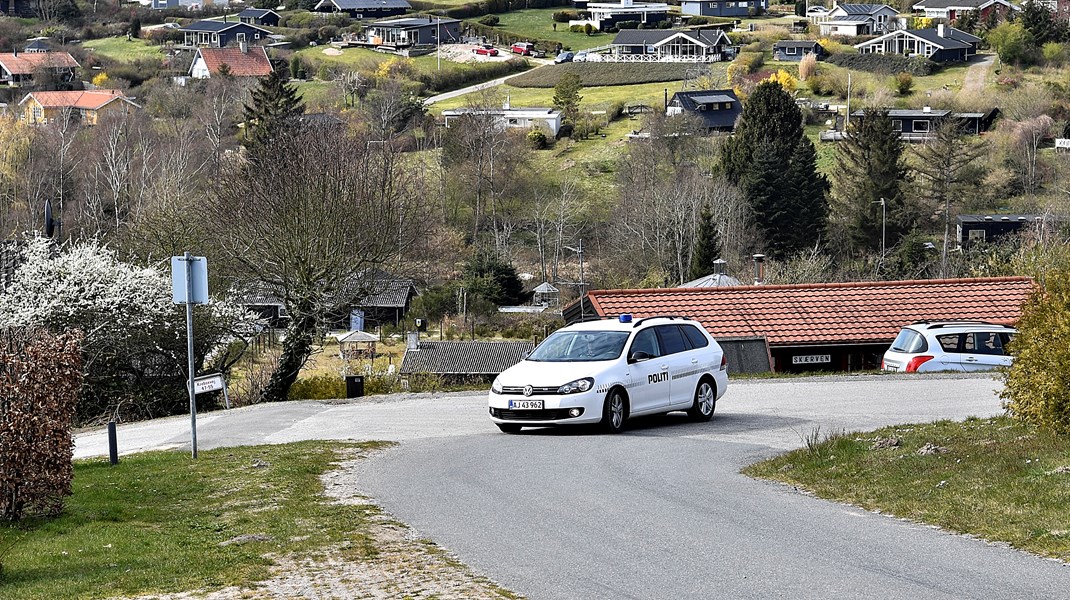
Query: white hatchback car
[928, 346]
[609, 370]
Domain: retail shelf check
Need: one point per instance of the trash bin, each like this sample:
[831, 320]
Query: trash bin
[354, 386]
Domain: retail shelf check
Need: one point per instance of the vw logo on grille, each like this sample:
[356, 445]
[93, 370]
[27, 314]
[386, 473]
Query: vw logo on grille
[528, 390]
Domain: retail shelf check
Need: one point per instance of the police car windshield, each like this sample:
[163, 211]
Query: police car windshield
[580, 346]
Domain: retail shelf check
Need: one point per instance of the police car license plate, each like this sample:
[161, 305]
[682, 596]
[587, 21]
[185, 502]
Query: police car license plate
[525, 404]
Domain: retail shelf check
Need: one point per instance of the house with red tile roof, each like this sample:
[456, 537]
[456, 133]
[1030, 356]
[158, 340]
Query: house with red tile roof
[237, 61]
[19, 68]
[828, 326]
[87, 106]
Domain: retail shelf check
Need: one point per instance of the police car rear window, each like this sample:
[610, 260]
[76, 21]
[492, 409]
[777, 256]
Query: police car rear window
[672, 341]
[695, 336]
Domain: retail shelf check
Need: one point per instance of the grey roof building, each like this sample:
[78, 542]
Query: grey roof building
[464, 358]
[718, 109]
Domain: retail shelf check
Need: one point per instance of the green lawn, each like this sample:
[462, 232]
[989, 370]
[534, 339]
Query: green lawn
[993, 478]
[652, 94]
[155, 523]
[121, 50]
[538, 23]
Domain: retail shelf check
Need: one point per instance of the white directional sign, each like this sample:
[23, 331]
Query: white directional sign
[198, 274]
[208, 383]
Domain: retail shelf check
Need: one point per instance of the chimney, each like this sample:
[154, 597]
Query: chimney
[759, 269]
[412, 341]
[940, 30]
[244, 47]
[926, 109]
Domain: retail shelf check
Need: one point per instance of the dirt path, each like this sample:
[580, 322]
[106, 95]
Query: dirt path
[976, 74]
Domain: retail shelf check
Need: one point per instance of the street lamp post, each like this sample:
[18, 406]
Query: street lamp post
[582, 284]
[884, 223]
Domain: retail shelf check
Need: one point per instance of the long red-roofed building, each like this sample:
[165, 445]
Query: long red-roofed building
[850, 324]
[19, 68]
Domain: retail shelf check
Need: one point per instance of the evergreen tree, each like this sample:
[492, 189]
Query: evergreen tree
[770, 116]
[871, 167]
[804, 225]
[763, 184]
[567, 95]
[274, 104]
[1038, 21]
[707, 246]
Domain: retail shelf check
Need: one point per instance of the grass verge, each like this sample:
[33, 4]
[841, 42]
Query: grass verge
[122, 50]
[158, 523]
[993, 478]
[599, 74]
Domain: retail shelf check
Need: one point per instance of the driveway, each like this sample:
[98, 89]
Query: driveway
[658, 512]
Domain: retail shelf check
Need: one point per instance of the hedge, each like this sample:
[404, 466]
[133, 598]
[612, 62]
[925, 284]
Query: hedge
[444, 81]
[884, 64]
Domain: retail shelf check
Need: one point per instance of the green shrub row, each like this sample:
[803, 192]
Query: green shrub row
[885, 64]
[444, 81]
[599, 74]
[318, 387]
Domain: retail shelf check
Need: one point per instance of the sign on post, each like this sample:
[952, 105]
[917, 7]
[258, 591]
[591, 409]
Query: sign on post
[212, 382]
[189, 286]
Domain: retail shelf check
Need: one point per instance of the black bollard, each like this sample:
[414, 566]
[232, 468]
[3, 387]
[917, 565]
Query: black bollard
[113, 447]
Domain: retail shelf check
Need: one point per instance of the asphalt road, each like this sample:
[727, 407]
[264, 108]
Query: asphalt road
[659, 511]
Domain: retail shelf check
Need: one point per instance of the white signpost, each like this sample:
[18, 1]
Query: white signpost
[189, 286]
[1062, 143]
[211, 383]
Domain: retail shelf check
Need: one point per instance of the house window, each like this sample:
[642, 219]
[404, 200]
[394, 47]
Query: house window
[921, 126]
[897, 125]
[513, 121]
[256, 36]
[38, 113]
[790, 50]
[241, 37]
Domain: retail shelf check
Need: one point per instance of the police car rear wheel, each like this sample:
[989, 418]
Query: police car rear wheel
[614, 411]
[705, 402]
[509, 428]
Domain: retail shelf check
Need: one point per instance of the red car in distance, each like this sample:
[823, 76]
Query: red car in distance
[486, 50]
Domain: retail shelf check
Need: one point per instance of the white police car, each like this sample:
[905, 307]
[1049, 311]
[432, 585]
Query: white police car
[607, 371]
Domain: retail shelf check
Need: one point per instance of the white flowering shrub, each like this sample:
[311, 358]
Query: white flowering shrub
[134, 350]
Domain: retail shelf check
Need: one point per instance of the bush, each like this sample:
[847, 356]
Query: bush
[564, 16]
[537, 139]
[318, 387]
[1054, 53]
[442, 81]
[622, 25]
[903, 83]
[1037, 390]
[40, 375]
[576, 28]
[749, 62]
[885, 64]
[490, 20]
[807, 66]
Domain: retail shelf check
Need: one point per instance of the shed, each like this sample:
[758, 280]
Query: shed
[355, 345]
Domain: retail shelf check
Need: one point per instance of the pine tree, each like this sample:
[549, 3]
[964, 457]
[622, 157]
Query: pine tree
[770, 116]
[804, 225]
[707, 246]
[567, 95]
[871, 168]
[274, 104]
[763, 185]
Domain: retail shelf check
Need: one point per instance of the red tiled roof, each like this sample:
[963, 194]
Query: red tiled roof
[89, 99]
[841, 313]
[25, 63]
[252, 63]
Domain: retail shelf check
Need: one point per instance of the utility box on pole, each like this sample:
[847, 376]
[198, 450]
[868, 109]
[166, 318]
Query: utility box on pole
[189, 286]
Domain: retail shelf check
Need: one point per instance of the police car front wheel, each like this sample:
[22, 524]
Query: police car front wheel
[614, 411]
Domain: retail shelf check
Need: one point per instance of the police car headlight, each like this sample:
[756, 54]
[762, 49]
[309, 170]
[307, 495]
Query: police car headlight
[580, 385]
[496, 387]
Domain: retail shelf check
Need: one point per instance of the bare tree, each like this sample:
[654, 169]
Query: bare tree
[307, 218]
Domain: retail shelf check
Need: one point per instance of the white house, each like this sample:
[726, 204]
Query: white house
[608, 14]
[953, 9]
[859, 19]
[509, 117]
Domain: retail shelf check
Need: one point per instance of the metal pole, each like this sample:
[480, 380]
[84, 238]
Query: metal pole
[438, 40]
[189, 348]
[884, 226]
[113, 445]
[582, 286]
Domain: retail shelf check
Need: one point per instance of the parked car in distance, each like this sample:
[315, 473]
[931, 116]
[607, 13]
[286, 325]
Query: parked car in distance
[486, 50]
[523, 48]
[579, 57]
[929, 346]
[607, 371]
[564, 57]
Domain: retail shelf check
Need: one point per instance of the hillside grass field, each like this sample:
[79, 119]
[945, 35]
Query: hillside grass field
[538, 23]
[122, 50]
[597, 74]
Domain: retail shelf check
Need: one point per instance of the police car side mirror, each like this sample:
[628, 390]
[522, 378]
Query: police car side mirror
[638, 356]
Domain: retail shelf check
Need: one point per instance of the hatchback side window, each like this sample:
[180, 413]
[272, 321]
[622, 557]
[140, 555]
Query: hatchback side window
[672, 341]
[949, 343]
[983, 342]
[645, 341]
[1005, 339]
[910, 342]
[695, 336]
